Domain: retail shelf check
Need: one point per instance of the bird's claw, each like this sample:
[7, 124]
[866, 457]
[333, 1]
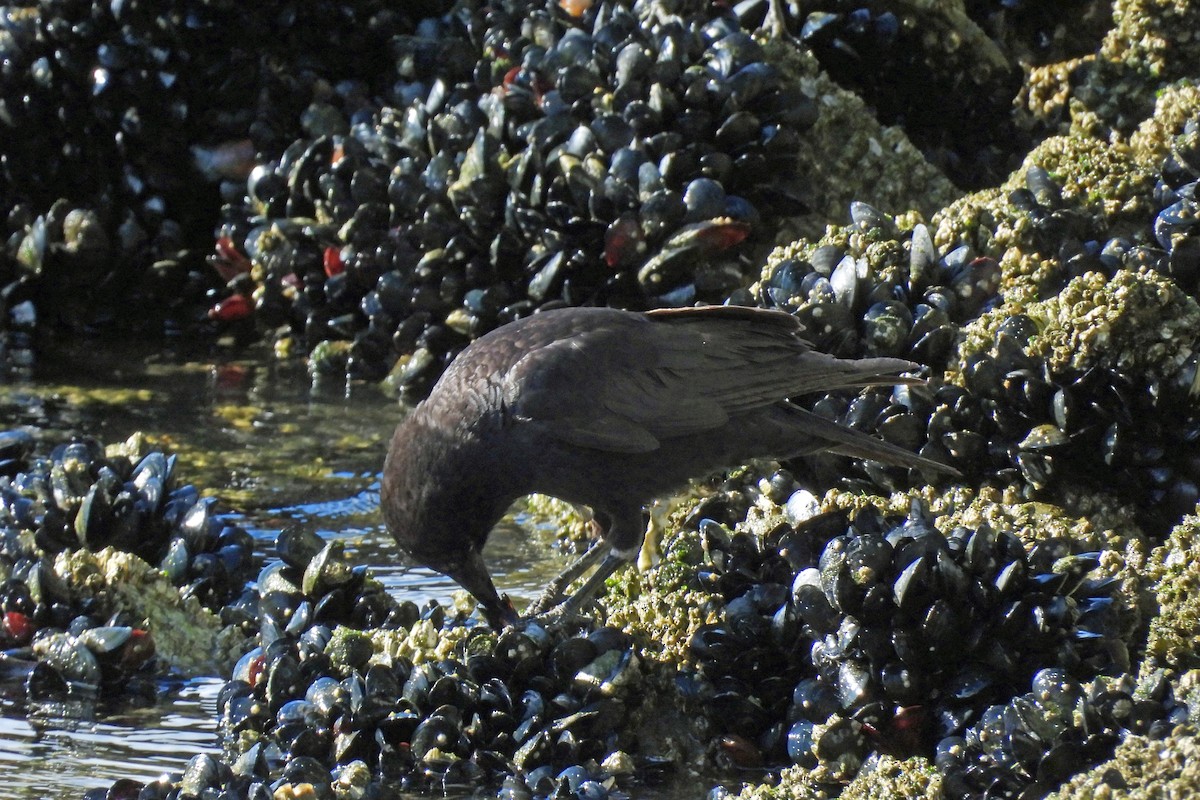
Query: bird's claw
[544, 602]
[564, 617]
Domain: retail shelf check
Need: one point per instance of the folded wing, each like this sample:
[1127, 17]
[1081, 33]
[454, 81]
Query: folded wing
[631, 381]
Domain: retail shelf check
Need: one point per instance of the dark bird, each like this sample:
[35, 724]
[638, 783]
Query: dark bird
[607, 409]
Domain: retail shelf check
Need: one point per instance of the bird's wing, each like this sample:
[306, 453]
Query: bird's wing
[629, 381]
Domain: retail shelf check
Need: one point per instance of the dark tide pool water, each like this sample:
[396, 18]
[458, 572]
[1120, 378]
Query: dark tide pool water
[253, 433]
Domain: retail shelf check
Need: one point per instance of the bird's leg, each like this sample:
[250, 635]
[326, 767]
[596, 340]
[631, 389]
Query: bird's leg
[624, 539]
[557, 587]
[554, 591]
[574, 604]
[471, 573]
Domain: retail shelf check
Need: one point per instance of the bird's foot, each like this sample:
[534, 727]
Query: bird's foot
[550, 597]
[565, 618]
[556, 589]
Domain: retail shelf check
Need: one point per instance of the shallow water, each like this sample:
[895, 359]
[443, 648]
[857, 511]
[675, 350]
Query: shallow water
[254, 434]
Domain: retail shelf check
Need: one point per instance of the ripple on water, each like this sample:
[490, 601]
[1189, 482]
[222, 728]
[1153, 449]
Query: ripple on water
[57, 756]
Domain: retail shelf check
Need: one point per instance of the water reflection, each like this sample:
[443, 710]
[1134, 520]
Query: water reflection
[63, 757]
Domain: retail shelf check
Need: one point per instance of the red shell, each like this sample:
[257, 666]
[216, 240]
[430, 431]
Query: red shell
[229, 261]
[138, 650]
[232, 308]
[256, 670]
[333, 261]
[18, 627]
[623, 241]
[721, 236]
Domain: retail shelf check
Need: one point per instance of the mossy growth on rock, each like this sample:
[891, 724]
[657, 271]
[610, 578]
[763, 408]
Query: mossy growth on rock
[187, 636]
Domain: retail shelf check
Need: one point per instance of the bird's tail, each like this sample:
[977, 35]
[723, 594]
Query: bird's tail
[821, 372]
[837, 438]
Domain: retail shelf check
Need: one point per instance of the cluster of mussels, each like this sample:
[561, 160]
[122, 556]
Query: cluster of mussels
[842, 637]
[870, 290]
[896, 58]
[527, 157]
[139, 109]
[320, 703]
[1175, 227]
[1103, 428]
[886, 303]
[79, 498]
[1027, 747]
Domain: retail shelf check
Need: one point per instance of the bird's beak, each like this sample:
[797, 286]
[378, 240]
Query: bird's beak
[471, 574]
[508, 614]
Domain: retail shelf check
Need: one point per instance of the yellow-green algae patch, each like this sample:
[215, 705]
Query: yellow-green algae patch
[421, 642]
[795, 783]
[354, 649]
[891, 777]
[1105, 94]
[1138, 322]
[187, 636]
[1175, 107]
[1101, 177]
[658, 608]
[885, 777]
[1102, 184]
[1044, 99]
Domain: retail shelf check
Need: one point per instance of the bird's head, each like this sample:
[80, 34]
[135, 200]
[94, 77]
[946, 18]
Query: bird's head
[434, 497]
[439, 507]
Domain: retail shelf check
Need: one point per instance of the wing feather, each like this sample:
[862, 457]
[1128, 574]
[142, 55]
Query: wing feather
[627, 381]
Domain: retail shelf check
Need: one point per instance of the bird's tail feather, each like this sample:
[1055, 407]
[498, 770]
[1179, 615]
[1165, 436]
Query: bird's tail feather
[838, 438]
